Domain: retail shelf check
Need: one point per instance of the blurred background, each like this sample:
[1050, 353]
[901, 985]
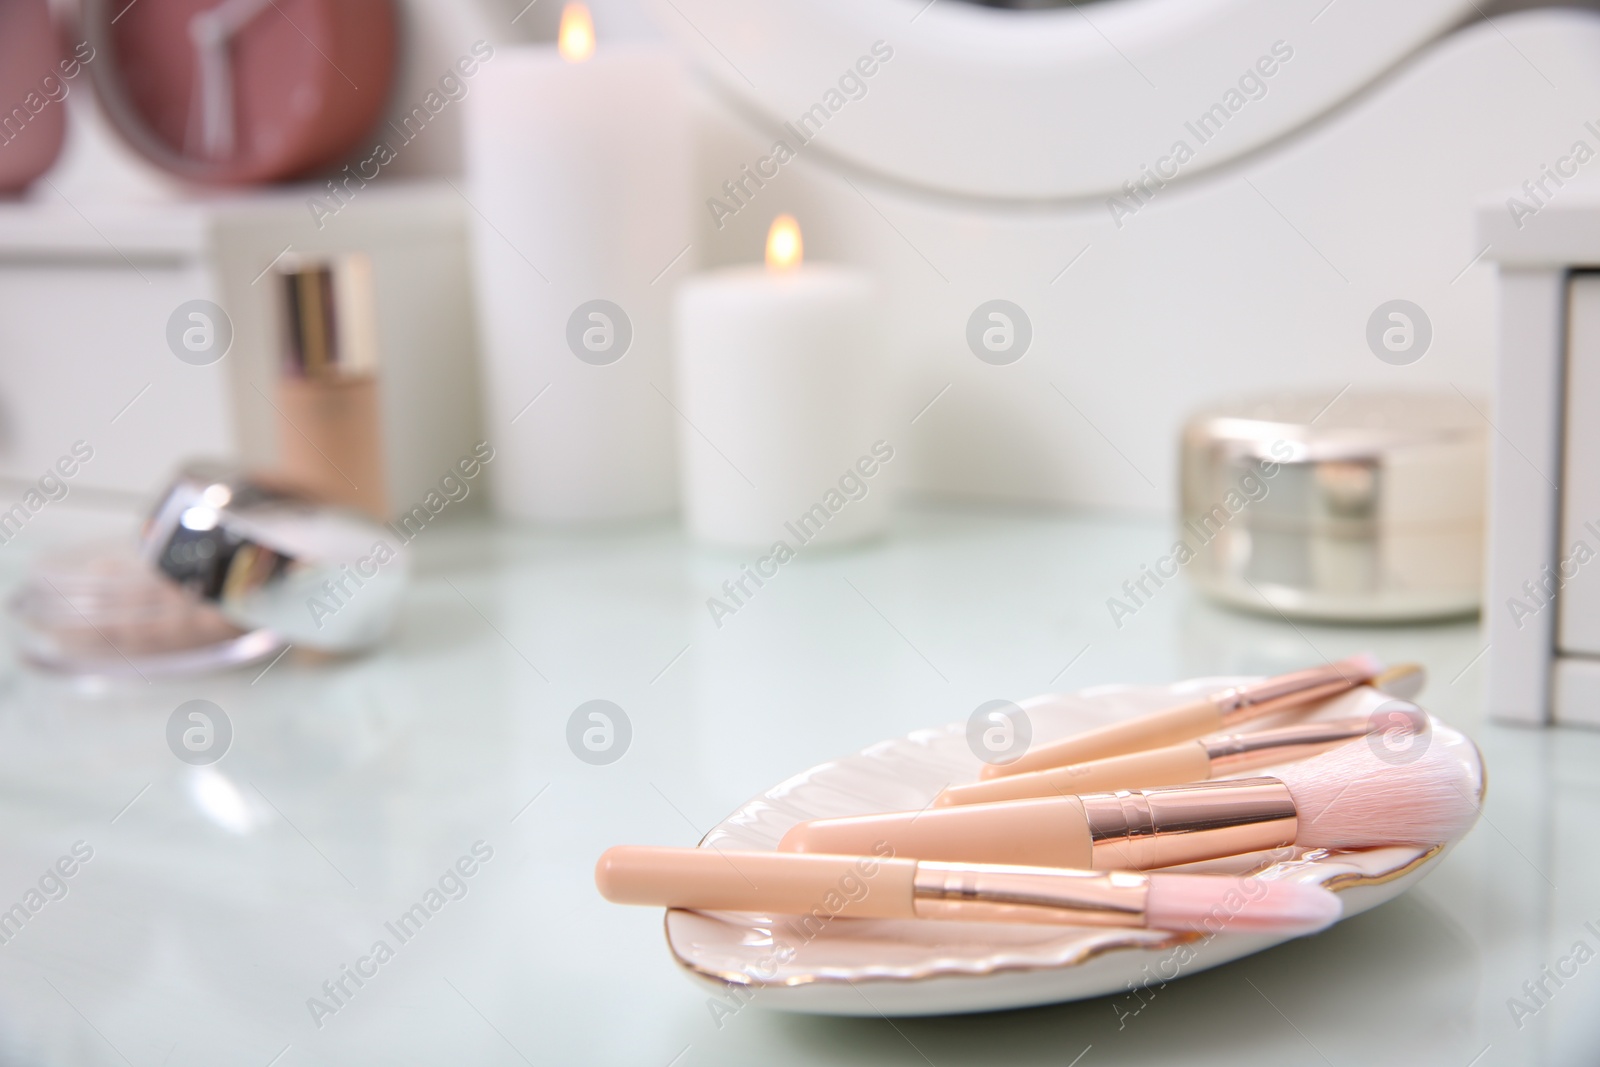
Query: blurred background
[974, 169]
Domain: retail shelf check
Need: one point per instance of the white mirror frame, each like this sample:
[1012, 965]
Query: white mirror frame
[1045, 105]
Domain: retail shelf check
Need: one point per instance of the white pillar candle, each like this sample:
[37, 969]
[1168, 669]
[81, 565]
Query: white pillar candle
[781, 378]
[578, 165]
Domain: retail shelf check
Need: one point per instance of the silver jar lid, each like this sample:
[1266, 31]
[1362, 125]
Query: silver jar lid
[321, 577]
[1353, 505]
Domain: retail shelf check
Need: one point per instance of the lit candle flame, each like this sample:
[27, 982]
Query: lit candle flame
[784, 247]
[576, 40]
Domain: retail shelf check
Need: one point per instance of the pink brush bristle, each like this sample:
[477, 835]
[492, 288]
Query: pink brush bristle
[1352, 798]
[1211, 904]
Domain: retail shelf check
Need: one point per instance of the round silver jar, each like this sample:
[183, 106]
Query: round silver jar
[1368, 507]
[267, 557]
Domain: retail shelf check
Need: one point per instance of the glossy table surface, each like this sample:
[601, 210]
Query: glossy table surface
[219, 899]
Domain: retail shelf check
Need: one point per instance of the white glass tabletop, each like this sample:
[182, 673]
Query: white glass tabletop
[426, 799]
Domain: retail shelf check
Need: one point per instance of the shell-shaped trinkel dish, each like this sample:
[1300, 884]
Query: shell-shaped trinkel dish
[910, 967]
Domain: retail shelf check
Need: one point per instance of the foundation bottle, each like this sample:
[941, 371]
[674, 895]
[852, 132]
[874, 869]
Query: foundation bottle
[330, 434]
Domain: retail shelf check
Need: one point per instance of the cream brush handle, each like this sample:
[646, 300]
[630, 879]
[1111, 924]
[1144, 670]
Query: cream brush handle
[1125, 830]
[1042, 832]
[1214, 713]
[1157, 730]
[867, 887]
[860, 886]
[1187, 761]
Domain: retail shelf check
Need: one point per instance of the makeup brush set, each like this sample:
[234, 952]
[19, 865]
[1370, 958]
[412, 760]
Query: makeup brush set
[1148, 832]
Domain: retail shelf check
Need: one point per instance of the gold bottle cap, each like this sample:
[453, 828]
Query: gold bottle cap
[329, 317]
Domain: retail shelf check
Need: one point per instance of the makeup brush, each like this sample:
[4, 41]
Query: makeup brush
[1213, 714]
[879, 887]
[1188, 761]
[1343, 799]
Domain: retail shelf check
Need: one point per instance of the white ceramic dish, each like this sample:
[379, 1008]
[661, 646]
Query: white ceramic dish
[884, 967]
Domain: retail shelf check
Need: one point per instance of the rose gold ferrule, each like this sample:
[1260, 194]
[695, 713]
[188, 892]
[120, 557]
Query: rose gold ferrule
[1245, 702]
[1146, 828]
[1231, 753]
[979, 892]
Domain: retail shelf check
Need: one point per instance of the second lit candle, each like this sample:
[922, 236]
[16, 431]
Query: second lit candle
[782, 385]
